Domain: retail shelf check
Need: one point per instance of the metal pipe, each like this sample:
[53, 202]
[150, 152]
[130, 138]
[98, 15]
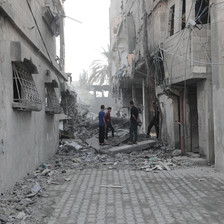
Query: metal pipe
[182, 122]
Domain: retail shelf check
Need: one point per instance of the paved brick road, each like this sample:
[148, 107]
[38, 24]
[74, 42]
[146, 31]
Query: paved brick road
[193, 195]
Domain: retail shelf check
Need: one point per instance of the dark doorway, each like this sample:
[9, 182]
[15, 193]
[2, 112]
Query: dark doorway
[193, 119]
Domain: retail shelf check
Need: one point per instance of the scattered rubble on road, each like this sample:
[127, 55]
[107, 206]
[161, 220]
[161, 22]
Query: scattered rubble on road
[28, 203]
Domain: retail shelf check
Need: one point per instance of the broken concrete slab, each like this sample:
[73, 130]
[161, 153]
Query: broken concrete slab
[129, 148]
[73, 144]
[176, 152]
[191, 161]
[199, 161]
[3, 219]
[193, 155]
[123, 136]
[94, 143]
[20, 215]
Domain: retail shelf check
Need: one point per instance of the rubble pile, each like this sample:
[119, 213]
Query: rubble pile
[85, 127]
[28, 202]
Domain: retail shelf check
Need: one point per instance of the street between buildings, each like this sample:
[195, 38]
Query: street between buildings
[80, 185]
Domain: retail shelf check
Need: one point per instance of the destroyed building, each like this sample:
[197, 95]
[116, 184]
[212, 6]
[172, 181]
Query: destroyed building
[93, 96]
[172, 51]
[32, 78]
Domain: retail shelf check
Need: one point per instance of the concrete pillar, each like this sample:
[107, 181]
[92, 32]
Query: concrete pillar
[217, 33]
[134, 94]
[205, 118]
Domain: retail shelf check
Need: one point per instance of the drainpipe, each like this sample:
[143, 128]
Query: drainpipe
[182, 122]
[62, 43]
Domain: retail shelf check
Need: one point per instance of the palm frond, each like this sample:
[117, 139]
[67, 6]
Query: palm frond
[100, 70]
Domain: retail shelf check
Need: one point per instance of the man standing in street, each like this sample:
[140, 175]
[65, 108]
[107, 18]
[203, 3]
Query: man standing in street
[102, 125]
[154, 121]
[134, 124]
[108, 123]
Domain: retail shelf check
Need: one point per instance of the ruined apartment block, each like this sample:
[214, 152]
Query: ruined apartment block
[32, 76]
[171, 51]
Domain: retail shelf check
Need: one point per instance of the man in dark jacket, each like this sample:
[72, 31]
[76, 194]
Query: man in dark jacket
[154, 121]
[134, 124]
[108, 123]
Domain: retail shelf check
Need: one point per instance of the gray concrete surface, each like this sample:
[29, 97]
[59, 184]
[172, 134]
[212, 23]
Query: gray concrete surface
[129, 148]
[191, 195]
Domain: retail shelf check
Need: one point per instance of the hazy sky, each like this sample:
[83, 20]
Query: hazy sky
[85, 41]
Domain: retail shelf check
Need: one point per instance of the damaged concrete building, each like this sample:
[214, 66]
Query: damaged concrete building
[172, 51]
[32, 77]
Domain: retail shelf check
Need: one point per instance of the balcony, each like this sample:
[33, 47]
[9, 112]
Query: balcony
[187, 56]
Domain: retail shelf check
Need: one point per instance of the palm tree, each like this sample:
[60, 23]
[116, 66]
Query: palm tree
[100, 70]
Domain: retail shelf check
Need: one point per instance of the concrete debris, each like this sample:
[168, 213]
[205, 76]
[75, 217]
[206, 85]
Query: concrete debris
[129, 148]
[28, 202]
[76, 160]
[119, 138]
[189, 161]
[111, 186]
[35, 189]
[176, 152]
[3, 219]
[73, 144]
[94, 143]
[70, 145]
[45, 172]
[20, 215]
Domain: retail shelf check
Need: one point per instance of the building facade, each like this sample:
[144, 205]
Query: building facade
[171, 51]
[32, 78]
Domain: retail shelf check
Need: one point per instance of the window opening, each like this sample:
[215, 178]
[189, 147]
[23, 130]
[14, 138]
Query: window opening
[184, 14]
[201, 12]
[159, 68]
[171, 20]
[131, 33]
[106, 93]
[52, 104]
[99, 94]
[24, 89]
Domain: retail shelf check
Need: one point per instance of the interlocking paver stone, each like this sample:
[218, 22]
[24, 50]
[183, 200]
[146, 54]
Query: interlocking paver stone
[191, 195]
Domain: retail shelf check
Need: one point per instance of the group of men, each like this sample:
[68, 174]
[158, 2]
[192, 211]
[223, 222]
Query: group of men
[105, 123]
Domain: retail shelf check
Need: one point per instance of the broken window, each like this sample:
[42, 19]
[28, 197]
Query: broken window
[106, 93]
[171, 20]
[159, 68]
[52, 17]
[183, 14]
[99, 94]
[52, 104]
[201, 12]
[131, 33]
[25, 94]
[91, 92]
